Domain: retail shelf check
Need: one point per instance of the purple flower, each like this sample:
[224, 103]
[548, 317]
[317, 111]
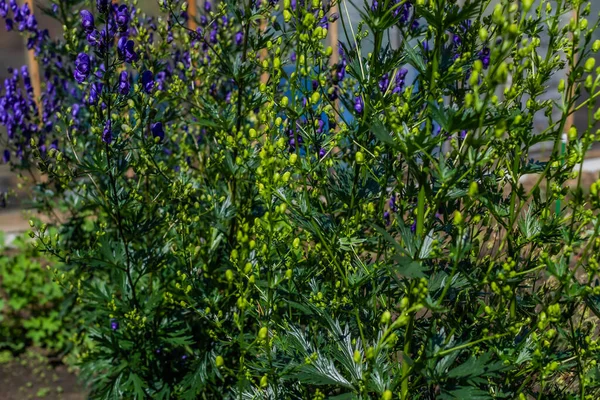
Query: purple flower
[239, 38]
[107, 133]
[207, 6]
[484, 56]
[6, 156]
[3, 9]
[157, 130]
[122, 17]
[124, 85]
[31, 23]
[148, 81]
[322, 153]
[87, 21]
[384, 82]
[9, 24]
[82, 67]
[126, 51]
[55, 9]
[102, 6]
[386, 217]
[392, 203]
[114, 324]
[359, 105]
[95, 92]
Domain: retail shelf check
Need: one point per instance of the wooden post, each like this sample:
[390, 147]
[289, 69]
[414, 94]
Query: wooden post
[34, 68]
[264, 77]
[192, 11]
[333, 36]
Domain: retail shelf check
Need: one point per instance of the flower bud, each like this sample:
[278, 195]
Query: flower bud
[572, 133]
[589, 64]
[387, 395]
[315, 97]
[473, 189]
[360, 157]
[287, 16]
[386, 318]
[483, 34]
[527, 5]
[264, 381]
[596, 46]
[296, 243]
[262, 333]
[219, 361]
[458, 218]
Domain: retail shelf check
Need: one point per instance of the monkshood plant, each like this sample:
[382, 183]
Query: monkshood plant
[245, 211]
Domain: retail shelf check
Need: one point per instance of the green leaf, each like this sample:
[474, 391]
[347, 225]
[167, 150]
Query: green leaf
[409, 268]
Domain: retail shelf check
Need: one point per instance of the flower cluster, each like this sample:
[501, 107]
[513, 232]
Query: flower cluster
[236, 191]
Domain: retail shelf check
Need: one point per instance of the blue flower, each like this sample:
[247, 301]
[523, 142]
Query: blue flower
[148, 81]
[87, 21]
[124, 85]
[122, 17]
[157, 130]
[359, 105]
[107, 133]
[102, 6]
[126, 51]
[82, 67]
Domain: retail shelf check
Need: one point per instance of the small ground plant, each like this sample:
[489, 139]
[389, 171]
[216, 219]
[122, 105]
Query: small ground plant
[34, 310]
[245, 211]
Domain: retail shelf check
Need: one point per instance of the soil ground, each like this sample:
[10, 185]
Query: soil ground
[32, 376]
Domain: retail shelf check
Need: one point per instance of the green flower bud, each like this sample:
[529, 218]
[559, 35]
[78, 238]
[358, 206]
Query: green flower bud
[589, 64]
[360, 157]
[483, 34]
[572, 133]
[262, 333]
[264, 381]
[229, 275]
[473, 189]
[315, 97]
[287, 16]
[296, 243]
[527, 5]
[596, 46]
[458, 218]
[561, 85]
[386, 317]
[356, 356]
[387, 395]
[219, 361]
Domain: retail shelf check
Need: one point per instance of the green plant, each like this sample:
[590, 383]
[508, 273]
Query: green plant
[250, 213]
[31, 303]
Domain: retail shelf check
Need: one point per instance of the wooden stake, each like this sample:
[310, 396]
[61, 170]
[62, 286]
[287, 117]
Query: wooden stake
[192, 11]
[34, 68]
[333, 36]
